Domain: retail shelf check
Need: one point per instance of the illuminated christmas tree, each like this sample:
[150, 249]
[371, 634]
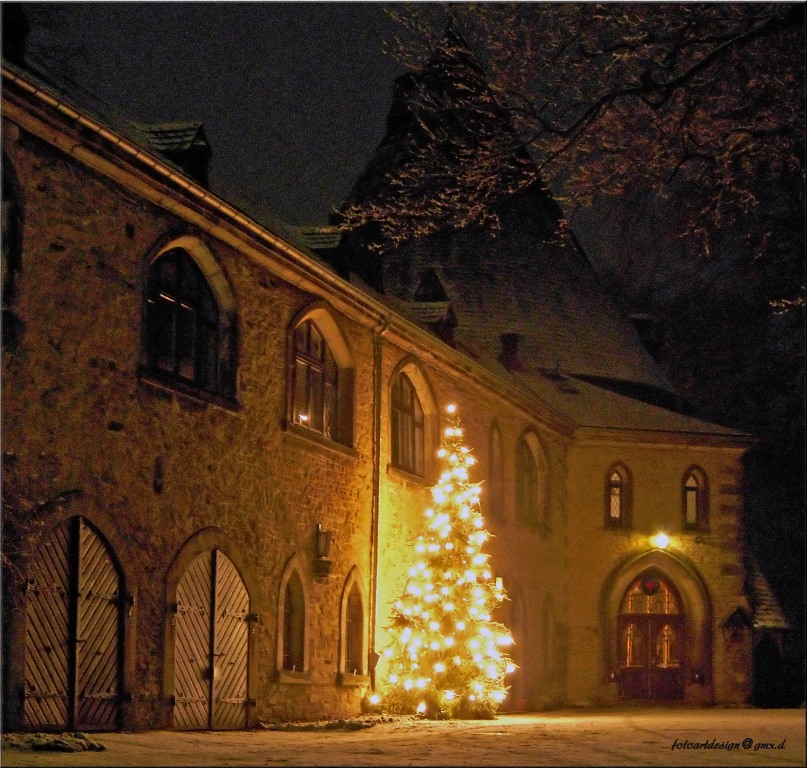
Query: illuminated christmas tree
[447, 657]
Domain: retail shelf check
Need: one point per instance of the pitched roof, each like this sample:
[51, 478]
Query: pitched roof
[767, 613]
[175, 136]
[528, 282]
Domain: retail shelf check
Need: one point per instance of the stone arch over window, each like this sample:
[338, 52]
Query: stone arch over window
[414, 423]
[190, 319]
[695, 499]
[693, 601]
[532, 484]
[618, 496]
[211, 545]
[495, 487]
[321, 376]
[11, 241]
[293, 620]
[353, 628]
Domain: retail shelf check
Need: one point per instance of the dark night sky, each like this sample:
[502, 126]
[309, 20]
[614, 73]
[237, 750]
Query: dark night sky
[293, 96]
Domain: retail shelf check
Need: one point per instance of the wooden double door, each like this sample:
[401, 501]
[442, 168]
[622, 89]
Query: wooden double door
[651, 640]
[212, 626]
[74, 632]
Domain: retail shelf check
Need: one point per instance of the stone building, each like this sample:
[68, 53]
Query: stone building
[216, 450]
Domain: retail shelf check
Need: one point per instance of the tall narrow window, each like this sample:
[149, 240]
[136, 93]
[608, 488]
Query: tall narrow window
[531, 498]
[315, 382]
[695, 500]
[407, 426]
[294, 625]
[496, 476]
[354, 633]
[185, 340]
[618, 497]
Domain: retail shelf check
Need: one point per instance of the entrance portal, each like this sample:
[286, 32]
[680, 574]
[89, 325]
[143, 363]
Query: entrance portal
[651, 640]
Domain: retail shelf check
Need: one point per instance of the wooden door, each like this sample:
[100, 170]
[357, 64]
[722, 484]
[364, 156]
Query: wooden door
[651, 641]
[212, 646]
[74, 631]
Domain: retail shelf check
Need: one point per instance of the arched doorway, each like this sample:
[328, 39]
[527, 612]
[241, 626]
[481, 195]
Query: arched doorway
[73, 632]
[211, 645]
[651, 638]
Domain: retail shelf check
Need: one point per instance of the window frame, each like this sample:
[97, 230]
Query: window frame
[625, 519]
[293, 579]
[332, 372]
[199, 292]
[698, 495]
[532, 482]
[407, 426]
[353, 636]
[496, 495]
[410, 366]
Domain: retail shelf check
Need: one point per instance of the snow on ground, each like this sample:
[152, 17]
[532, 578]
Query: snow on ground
[625, 737]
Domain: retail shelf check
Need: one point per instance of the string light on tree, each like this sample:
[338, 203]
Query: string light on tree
[447, 656]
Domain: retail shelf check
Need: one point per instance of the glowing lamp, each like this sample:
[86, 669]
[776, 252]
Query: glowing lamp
[660, 540]
[451, 408]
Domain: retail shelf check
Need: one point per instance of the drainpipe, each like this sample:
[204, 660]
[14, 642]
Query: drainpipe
[379, 331]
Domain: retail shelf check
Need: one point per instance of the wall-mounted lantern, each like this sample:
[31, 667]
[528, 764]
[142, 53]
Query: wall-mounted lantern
[322, 566]
[660, 540]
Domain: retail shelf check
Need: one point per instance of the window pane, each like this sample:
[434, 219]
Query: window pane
[317, 395]
[634, 646]
[667, 647]
[526, 484]
[616, 503]
[407, 426]
[294, 626]
[353, 634]
[301, 337]
[691, 506]
[315, 348]
[300, 405]
[164, 335]
[186, 343]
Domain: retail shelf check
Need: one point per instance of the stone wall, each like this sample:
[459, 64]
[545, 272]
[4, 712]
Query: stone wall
[158, 466]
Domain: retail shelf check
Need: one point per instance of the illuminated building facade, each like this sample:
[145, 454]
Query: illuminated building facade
[216, 451]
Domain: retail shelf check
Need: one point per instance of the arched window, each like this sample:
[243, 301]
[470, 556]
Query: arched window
[316, 380]
[695, 494]
[188, 340]
[618, 497]
[321, 381]
[353, 657]
[407, 426]
[496, 476]
[293, 625]
[531, 480]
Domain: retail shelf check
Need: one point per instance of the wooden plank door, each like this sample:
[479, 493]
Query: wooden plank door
[47, 634]
[212, 646]
[231, 647]
[73, 632]
[98, 634]
[193, 643]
